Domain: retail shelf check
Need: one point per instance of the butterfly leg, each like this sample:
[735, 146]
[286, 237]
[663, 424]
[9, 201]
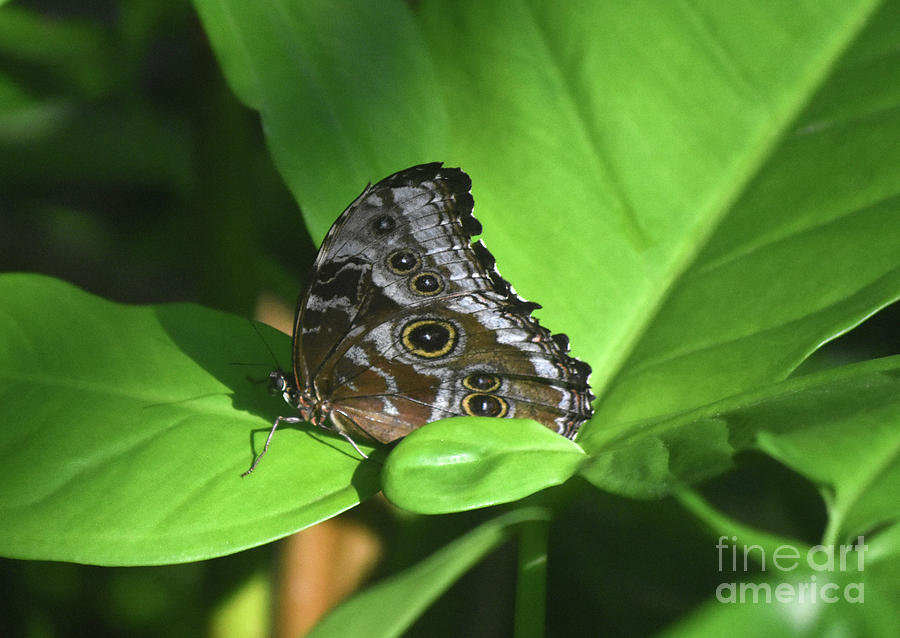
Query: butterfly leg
[278, 421]
[351, 442]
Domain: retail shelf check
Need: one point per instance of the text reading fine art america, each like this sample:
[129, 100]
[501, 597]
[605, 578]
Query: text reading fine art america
[406, 321]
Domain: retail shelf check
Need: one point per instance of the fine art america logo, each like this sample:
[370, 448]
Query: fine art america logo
[818, 562]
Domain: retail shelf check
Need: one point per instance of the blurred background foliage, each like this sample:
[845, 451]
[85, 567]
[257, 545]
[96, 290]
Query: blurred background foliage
[128, 168]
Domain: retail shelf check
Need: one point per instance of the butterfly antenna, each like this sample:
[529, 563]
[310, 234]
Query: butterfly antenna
[266, 343]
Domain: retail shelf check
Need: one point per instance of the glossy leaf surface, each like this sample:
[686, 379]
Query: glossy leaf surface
[126, 429]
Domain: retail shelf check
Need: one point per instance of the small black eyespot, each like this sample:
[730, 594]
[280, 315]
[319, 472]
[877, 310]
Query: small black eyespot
[402, 262]
[483, 381]
[427, 283]
[484, 405]
[383, 224]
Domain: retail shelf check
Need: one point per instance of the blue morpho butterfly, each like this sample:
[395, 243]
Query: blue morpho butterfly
[405, 321]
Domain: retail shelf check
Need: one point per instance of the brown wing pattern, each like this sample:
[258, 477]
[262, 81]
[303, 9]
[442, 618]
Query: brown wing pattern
[406, 321]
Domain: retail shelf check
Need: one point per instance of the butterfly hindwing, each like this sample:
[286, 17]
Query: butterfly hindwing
[515, 369]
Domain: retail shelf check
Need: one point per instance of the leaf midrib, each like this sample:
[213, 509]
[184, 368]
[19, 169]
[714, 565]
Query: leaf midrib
[722, 200]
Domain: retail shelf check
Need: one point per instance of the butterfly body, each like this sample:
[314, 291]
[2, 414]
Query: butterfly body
[405, 321]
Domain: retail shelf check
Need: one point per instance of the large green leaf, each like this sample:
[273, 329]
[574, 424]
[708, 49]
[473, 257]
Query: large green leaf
[807, 249]
[651, 172]
[125, 431]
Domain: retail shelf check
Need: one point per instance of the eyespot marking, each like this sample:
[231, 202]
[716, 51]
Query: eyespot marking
[402, 262]
[426, 283]
[482, 382]
[383, 224]
[477, 404]
[429, 338]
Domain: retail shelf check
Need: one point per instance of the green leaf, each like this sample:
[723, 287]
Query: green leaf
[839, 428]
[125, 431]
[662, 177]
[855, 460]
[460, 464]
[345, 92]
[390, 607]
[800, 244]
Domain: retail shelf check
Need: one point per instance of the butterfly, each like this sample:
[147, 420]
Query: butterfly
[405, 321]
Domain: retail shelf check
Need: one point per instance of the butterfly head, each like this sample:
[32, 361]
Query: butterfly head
[311, 408]
[279, 384]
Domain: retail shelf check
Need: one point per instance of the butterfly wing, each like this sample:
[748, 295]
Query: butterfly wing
[430, 363]
[350, 265]
[406, 321]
